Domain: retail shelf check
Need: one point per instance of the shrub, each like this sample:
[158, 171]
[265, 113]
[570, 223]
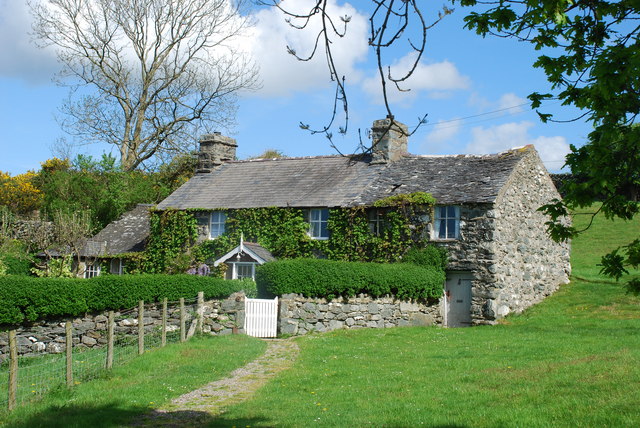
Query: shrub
[16, 265]
[29, 298]
[430, 256]
[326, 278]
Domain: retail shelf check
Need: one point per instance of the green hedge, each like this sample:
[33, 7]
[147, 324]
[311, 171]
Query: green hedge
[430, 256]
[30, 299]
[326, 278]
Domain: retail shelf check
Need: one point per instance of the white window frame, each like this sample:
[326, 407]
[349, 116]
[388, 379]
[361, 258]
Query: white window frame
[219, 219]
[91, 271]
[236, 265]
[451, 213]
[315, 224]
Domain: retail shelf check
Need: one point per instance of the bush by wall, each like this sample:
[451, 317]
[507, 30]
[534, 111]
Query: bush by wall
[29, 298]
[326, 278]
[430, 256]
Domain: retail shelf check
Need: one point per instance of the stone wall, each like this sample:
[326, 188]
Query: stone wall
[219, 318]
[299, 315]
[529, 265]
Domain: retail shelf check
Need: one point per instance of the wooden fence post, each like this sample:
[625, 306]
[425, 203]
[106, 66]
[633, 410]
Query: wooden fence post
[13, 370]
[110, 323]
[141, 327]
[163, 341]
[69, 352]
[183, 331]
[200, 312]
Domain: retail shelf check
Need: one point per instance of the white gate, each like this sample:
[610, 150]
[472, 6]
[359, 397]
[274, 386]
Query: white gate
[261, 317]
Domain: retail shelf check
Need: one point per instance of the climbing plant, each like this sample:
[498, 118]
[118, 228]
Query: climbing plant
[172, 235]
[173, 245]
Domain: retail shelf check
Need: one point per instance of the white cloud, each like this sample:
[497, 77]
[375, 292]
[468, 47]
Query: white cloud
[512, 102]
[443, 131]
[281, 73]
[552, 150]
[19, 57]
[437, 79]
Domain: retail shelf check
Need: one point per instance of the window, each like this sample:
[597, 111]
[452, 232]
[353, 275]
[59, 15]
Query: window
[244, 270]
[217, 223]
[447, 222]
[117, 267]
[318, 223]
[92, 270]
[376, 222]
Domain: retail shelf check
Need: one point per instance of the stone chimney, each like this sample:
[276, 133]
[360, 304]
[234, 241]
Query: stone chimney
[390, 140]
[215, 149]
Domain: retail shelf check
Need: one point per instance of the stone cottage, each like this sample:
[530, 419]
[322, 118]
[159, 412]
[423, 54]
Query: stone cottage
[501, 259]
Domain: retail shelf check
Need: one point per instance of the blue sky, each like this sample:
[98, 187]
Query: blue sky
[473, 90]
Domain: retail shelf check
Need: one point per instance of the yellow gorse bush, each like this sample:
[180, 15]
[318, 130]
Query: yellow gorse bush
[19, 192]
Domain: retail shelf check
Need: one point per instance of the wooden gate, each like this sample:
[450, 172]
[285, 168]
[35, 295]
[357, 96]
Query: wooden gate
[261, 317]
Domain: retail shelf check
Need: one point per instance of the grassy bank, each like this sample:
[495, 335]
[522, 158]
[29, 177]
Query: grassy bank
[122, 395]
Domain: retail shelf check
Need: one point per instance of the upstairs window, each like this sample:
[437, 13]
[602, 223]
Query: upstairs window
[318, 218]
[376, 222]
[447, 222]
[217, 224]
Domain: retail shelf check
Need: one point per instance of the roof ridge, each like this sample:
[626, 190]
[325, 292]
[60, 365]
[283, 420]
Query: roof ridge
[348, 157]
[518, 149]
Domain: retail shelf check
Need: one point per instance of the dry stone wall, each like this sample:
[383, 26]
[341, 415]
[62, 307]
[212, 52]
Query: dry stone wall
[300, 315]
[220, 317]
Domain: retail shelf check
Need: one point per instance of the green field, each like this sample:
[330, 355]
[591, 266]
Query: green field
[571, 361]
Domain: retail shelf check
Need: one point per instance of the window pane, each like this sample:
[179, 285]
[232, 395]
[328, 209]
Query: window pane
[324, 232]
[451, 211]
[451, 228]
[442, 230]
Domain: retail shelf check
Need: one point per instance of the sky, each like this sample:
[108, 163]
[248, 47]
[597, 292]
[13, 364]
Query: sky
[472, 89]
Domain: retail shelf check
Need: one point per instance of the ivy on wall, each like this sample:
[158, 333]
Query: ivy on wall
[173, 246]
[172, 235]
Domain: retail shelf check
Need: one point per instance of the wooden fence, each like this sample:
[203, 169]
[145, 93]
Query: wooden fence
[13, 366]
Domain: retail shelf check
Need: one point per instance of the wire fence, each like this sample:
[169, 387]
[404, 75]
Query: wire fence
[24, 378]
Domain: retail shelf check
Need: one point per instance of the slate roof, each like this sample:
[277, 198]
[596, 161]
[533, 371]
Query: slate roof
[125, 235]
[260, 251]
[336, 181]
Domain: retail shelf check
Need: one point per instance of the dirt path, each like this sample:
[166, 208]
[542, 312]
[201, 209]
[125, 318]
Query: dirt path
[199, 407]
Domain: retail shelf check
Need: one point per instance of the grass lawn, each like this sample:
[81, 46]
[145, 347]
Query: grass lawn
[128, 391]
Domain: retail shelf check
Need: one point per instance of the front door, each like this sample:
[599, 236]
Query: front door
[457, 305]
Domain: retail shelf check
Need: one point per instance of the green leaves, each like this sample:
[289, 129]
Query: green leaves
[24, 298]
[326, 278]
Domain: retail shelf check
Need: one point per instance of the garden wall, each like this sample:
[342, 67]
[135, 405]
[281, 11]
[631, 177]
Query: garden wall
[299, 315]
[219, 318]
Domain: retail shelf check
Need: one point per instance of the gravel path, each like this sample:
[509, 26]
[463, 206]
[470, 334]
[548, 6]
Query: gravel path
[199, 407]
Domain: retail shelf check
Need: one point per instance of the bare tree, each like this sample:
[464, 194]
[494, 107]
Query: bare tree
[393, 24]
[154, 69]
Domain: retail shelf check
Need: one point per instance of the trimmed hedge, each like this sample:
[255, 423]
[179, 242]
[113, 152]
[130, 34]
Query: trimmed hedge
[30, 299]
[430, 256]
[326, 278]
